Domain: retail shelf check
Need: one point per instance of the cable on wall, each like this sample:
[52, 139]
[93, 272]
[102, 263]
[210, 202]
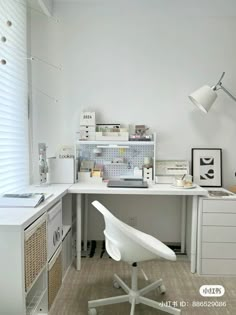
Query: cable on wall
[33, 58]
[4, 62]
[30, 58]
[43, 93]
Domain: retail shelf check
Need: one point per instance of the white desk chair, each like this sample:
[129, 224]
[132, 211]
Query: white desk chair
[128, 244]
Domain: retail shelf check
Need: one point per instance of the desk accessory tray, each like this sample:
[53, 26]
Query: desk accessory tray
[189, 187]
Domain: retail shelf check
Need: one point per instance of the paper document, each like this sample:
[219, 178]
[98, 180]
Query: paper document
[21, 200]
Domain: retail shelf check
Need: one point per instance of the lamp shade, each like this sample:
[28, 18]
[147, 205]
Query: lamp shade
[203, 98]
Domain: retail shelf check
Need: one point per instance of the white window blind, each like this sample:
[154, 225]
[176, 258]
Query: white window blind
[14, 157]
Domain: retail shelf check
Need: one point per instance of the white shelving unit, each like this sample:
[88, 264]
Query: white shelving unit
[23, 232]
[133, 153]
[37, 299]
[116, 144]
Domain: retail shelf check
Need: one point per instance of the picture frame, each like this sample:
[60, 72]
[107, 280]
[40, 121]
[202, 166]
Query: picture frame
[207, 167]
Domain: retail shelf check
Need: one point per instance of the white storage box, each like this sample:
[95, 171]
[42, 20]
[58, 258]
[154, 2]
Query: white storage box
[61, 171]
[147, 174]
[87, 178]
[87, 132]
[87, 135]
[112, 136]
[87, 119]
[87, 129]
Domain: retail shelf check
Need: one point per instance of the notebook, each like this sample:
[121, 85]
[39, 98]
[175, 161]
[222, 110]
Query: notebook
[127, 184]
[16, 200]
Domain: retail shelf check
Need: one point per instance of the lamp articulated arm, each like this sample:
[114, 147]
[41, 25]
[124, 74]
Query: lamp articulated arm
[219, 86]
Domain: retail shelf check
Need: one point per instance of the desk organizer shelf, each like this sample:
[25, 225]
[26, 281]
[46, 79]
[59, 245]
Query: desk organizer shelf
[112, 136]
[133, 153]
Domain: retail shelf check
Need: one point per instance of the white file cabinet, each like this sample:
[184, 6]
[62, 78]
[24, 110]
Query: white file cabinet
[217, 237]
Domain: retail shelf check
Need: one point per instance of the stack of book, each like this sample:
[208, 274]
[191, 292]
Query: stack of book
[22, 200]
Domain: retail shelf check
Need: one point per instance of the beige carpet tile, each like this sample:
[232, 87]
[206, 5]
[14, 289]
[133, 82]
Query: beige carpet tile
[94, 281]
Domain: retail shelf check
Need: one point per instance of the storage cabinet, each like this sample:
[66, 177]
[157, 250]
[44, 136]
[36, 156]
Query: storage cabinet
[59, 245]
[217, 237]
[23, 266]
[31, 267]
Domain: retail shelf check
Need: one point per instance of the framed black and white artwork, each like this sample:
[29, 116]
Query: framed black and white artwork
[207, 167]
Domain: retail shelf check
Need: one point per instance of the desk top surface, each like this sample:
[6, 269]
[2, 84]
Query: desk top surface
[153, 189]
[23, 216]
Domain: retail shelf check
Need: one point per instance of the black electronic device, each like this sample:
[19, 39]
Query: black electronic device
[127, 184]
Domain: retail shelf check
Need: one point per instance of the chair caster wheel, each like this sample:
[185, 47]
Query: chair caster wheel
[162, 289]
[116, 284]
[92, 311]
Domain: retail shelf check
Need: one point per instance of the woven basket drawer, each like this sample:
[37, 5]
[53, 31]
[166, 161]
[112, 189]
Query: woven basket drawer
[54, 276]
[35, 250]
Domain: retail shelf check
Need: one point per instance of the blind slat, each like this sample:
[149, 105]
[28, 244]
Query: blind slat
[14, 157]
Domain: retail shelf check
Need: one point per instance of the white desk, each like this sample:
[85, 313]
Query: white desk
[158, 189]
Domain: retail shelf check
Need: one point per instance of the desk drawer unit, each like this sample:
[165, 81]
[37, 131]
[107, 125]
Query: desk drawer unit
[148, 174]
[219, 205]
[217, 237]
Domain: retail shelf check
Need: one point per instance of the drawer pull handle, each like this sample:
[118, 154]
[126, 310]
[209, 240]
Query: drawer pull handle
[58, 234]
[54, 239]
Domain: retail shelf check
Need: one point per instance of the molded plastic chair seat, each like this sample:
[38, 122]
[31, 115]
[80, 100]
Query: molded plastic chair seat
[125, 243]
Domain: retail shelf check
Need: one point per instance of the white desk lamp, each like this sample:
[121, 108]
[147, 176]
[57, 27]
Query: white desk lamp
[204, 97]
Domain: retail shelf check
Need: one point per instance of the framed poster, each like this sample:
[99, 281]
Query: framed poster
[207, 167]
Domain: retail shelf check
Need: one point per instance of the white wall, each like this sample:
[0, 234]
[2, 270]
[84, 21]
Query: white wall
[46, 6]
[136, 64]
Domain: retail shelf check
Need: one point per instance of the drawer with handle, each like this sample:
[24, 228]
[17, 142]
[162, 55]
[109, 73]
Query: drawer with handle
[54, 228]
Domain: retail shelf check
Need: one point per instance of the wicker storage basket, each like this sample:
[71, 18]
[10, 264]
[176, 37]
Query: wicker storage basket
[35, 251]
[54, 276]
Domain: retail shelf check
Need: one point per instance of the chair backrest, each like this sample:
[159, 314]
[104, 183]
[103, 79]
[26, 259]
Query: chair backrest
[126, 243]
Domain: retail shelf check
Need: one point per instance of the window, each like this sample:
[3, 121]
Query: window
[14, 157]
